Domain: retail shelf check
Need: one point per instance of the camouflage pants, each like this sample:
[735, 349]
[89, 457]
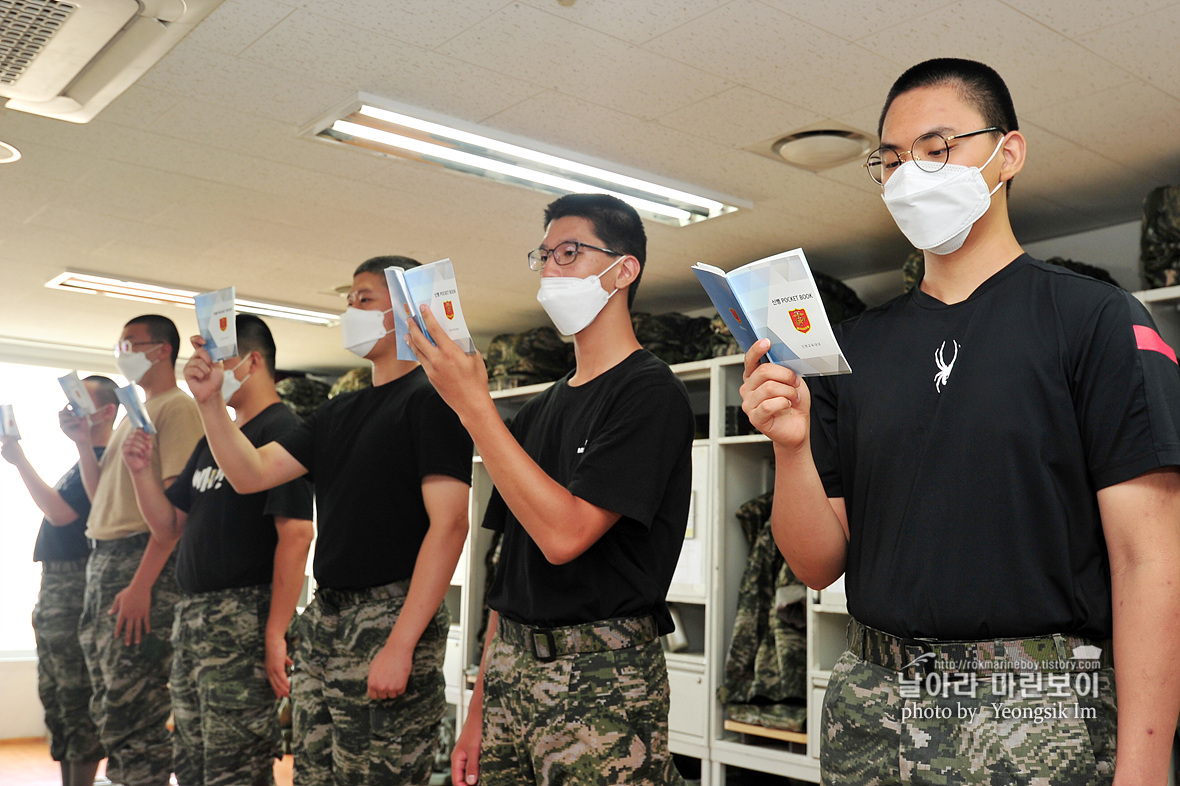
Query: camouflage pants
[584, 718]
[877, 730]
[62, 679]
[130, 702]
[227, 728]
[340, 735]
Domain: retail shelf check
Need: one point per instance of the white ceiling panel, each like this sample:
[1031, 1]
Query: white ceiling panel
[198, 174]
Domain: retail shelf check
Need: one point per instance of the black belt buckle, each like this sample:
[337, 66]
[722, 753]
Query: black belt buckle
[922, 662]
[542, 640]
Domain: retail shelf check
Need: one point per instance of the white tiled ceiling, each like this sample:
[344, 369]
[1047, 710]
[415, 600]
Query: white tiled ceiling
[199, 175]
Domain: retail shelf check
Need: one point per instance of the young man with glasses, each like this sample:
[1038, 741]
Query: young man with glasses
[240, 562]
[392, 471]
[131, 590]
[62, 549]
[592, 485]
[997, 479]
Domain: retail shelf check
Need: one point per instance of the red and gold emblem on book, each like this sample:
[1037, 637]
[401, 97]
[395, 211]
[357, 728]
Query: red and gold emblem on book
[449, 309]
[224, 323]
[735, 315]
[800, 320]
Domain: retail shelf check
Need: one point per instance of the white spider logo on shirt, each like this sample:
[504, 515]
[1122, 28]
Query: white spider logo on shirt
[944, 369]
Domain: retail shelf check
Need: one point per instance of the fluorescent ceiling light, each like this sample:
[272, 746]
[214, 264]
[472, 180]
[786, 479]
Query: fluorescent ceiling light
[422, 136]
[156, 293]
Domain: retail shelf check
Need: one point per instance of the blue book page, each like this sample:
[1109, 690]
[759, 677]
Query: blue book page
[217, 324]
[136, 411]
[732, 313]
[78, 395]
[403, 308]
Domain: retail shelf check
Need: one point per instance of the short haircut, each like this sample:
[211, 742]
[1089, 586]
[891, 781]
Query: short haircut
[615, 222]
[255, 336]
[105, 390]
[377, 265]
[977, 84]
[161, 330]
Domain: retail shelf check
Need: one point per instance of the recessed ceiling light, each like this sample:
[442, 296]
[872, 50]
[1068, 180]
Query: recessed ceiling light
[818, 148]
[159, 293]
[8, 154]
[394, 129]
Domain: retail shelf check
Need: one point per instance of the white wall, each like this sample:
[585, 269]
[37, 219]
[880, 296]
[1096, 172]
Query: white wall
[1114, 248]
[22, 714]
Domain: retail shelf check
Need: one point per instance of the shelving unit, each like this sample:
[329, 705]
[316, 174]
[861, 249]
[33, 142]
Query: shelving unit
[730, 467]
[1163, 303]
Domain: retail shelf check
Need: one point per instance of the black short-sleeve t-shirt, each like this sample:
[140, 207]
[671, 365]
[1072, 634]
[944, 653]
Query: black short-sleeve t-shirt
[68, 543]
[969, 444]
[623, 442]
[229, 538]
[367, 453]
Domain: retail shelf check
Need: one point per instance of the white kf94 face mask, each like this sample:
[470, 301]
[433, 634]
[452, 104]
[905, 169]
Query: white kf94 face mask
[573, 303]
[230, 384]
[133, 365]
[936, 210]
[361, 329]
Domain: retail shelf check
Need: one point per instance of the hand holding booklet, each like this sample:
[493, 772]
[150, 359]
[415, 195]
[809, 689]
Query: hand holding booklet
[79, 396]
[776, 298]
[216, 323]
[136, 411]
[432, 285]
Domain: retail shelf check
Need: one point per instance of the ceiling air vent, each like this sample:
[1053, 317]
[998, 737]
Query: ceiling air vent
[68, 59]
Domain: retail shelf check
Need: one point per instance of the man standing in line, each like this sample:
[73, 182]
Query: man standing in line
[592, 491]
[130, 577]
[240, 565]
[392, 471]
[997, 478]
[62, 550]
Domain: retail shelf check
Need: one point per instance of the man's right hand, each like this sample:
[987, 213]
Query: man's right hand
[202, 374]
[137, 452]
[465, 756]
[11, 450]
[776, 400]
[74, 427]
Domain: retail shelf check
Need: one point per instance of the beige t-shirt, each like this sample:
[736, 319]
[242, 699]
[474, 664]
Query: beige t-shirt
[114, 513]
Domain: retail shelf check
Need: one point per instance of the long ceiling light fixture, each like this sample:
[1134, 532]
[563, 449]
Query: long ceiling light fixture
[393, 129]
[144, 292]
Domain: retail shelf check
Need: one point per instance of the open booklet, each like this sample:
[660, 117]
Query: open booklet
[217, 324]
[8, 422]
[432, 285]
[129, 398]
[78, 395]
[776, 298]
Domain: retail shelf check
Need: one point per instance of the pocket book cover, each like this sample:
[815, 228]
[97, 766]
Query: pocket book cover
[129, 398]
[79, 396]
[433, 285]
[8, 422]
[776, 298]
[216, 323]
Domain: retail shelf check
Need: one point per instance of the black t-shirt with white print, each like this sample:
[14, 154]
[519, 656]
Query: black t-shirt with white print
[969, 444]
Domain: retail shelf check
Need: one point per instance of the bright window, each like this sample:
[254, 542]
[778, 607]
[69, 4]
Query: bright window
[36, 397]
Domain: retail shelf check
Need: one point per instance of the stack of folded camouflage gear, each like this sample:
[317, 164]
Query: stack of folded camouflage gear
[353, 379]
[1159, 252]
[840, 300]
[676, 338]
[302, 395]
[766, 670]
[534, 356]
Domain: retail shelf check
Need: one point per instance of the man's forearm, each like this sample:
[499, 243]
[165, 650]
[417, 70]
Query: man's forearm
[47, 498]
[806, 528]
[151, 564]
[157, 510]
[290, 567]
[1147, 668]
[429, 583]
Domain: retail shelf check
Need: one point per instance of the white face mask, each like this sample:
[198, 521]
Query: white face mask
[936, 210]
[573, 303]
[230, 384]
[133, 365]
[362, 329]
